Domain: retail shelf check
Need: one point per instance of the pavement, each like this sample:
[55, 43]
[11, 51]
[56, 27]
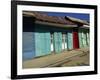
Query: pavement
[65, 58]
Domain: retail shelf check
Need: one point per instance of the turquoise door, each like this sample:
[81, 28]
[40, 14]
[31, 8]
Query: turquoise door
[38, 44]
[57, 42]
[60, 41]
[47, 42]
[84, 38]
[42, 42]
[80, 39]
[70, 40]
[88, 39]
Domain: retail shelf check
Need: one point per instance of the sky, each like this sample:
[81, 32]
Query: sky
[75, 15]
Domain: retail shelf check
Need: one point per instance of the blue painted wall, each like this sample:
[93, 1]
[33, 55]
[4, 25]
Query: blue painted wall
[28, 45]
[28, 39]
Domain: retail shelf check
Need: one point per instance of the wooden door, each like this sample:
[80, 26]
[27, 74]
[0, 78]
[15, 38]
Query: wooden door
[80, 38]
[88, 40]
[84, 38]
[42, 42]
[70, 40]
[75, 39]
[47, 42]
[57, 42]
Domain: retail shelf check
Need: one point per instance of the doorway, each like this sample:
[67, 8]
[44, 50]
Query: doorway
[64, 41]
[52, 41]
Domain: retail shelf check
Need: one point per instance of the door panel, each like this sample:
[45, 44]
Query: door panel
[84, 39]
[42, 43]
[39, 39]
[80, 39]
[88, 39]
[57, 42]
[75, 39]
[47, 43]
[70, 40]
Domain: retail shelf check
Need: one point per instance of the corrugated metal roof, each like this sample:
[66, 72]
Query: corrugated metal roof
[54, 19]
[77, 20]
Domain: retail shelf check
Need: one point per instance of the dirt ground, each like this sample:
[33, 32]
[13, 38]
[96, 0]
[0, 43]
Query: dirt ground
[79, 60]
[78, 57]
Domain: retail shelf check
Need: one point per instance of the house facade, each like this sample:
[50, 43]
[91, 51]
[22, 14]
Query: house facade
[44, 35]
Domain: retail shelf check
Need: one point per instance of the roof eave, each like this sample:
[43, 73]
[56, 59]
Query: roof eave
[56, 24]
[78, 21]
